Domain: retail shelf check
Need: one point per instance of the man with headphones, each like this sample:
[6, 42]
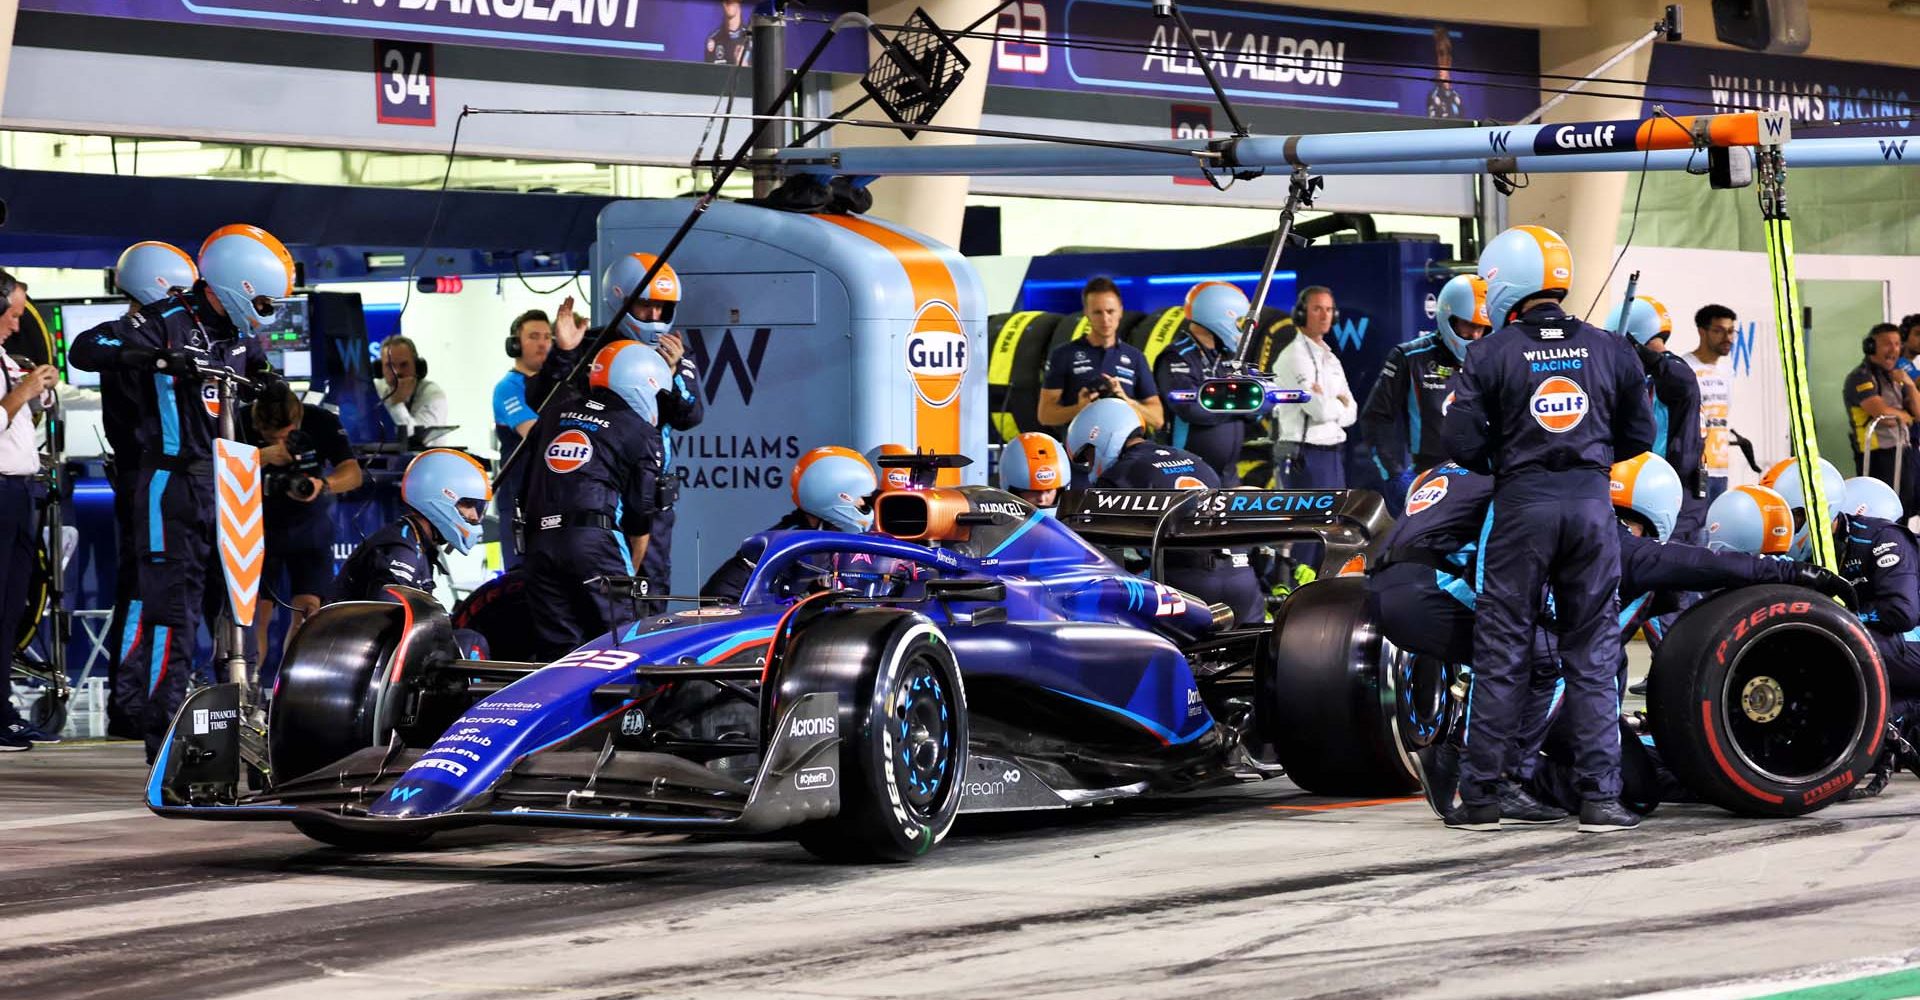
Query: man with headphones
[529, 341]
[1309, 439]
[411, 400]
[1877, 389]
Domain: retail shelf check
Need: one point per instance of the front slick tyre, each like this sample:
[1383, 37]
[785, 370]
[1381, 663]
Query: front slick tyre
[903, 726]
[1768, 700]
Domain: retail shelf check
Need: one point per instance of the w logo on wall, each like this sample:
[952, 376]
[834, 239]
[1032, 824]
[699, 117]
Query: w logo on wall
[728, 362]
[1743, 337]
[1350, 334]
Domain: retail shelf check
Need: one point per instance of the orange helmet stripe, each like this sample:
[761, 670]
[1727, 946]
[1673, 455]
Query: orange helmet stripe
[265, 239]
[807, 460]
[1556, 269]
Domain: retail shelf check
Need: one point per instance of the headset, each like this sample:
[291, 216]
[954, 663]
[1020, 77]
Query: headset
[513, 346]
[1866, 346]
[1300, 304]
[419, 361]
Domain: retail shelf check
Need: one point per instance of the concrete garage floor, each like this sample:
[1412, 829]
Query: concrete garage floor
[1256, 891]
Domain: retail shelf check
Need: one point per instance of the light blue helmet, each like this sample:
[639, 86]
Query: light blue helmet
[1647, 485]
[1036, 462]
[1218, 307]
[833, 483]
[246, 268]
[620, 281]
[149, 270]
[1102, 429]
[1647, 319]
[1865, 496]
[635, 372]
[1523, 262]
[437, 483]
[1464, 296]
[1784, 477]
[1750, 519]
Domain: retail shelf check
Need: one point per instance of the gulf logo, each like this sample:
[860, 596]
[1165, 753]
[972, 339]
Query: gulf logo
[210, 398]
[937, 354]
[569, 451]
[1429, 493]
[1447, 403]
[1559, 404]
[899, 479]
[1189, 483]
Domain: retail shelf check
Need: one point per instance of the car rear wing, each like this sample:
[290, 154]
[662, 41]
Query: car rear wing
[1346, 522]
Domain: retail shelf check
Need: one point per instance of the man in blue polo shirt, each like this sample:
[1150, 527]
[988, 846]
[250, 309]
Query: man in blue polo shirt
[1099, 365]
[529, 340]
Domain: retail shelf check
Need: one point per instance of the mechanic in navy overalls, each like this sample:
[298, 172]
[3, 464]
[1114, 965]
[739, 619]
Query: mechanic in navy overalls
[1098, 366]
[1545, 405]
[592, 487]
[243, 270]
[1401, 422]
[147, 272]
[1108, 438]
[1214, 312]
[680, 406]
[833, 490]
[1674, 392]
[446, 493]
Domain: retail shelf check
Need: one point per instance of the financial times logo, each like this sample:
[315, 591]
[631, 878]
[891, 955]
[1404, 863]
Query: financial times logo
[1350, 334]
[1744, 336]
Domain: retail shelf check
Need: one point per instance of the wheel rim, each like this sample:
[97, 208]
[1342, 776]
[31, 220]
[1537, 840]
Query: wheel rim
[1794, 703]
[921, 714]
[1421, 693]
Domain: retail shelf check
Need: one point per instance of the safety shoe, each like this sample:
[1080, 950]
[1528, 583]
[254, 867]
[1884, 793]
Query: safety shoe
[1438, 767]
[1519, 807]
[37, 735]
[13, 738]
[1484, 818]
[1607, 816]
[1638, 687]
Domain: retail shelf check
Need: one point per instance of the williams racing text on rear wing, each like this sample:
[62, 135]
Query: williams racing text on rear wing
[1345, 519]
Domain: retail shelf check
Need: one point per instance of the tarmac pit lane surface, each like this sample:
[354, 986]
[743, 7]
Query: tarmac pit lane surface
[1255, 891]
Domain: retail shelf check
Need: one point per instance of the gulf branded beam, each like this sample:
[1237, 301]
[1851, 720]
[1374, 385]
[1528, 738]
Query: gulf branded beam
[1320, 152]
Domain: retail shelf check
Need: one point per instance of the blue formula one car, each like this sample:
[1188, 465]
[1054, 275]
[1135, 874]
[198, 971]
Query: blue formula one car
[974, 654]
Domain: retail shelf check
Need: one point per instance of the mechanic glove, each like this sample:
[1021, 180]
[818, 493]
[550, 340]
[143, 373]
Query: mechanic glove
[180, 364]
[1825, 581]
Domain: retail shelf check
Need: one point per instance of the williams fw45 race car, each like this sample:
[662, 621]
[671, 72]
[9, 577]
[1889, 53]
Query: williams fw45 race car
[974, 654]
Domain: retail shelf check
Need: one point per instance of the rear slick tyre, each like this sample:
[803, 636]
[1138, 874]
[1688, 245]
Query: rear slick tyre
[1330, 695]
[1768, 700]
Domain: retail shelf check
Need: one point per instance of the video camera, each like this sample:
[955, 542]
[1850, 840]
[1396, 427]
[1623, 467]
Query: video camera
[291, 482]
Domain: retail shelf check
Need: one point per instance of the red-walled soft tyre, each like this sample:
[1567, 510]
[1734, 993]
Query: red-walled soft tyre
[1768, 700]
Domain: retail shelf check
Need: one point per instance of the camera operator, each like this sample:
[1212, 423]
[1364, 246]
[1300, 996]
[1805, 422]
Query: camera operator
[305, 459]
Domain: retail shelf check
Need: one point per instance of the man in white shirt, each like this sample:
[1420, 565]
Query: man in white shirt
[23, 391]
[1310, 439]
[1716, 324]
[411, 400]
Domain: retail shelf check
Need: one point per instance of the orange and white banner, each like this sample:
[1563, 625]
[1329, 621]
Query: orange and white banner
[242, 531]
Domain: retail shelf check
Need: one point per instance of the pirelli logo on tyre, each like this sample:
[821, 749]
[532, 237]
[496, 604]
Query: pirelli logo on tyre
[1559, 404]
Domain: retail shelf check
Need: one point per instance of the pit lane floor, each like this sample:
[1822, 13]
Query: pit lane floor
[1253, 891]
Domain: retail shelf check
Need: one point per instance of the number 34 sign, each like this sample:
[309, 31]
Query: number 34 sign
[403, 83]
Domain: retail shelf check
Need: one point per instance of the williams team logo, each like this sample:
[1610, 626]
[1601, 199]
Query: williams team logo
[1559, 404]
[1430, 492]
[569, 451]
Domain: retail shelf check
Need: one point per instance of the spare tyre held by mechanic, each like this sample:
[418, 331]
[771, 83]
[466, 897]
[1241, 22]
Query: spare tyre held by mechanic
[593, 485]
[1546, 405]
[833, 490]
[1654, 567]
[1108, 437]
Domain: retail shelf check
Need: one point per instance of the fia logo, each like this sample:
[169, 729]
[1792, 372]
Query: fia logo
[728, 362]
[1350, 334]
[1743, 338]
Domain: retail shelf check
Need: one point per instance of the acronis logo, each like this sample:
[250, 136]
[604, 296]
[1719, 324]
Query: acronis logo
[1350, 334]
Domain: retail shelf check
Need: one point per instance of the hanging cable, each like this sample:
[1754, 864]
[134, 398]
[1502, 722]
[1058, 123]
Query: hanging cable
[439, 203]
